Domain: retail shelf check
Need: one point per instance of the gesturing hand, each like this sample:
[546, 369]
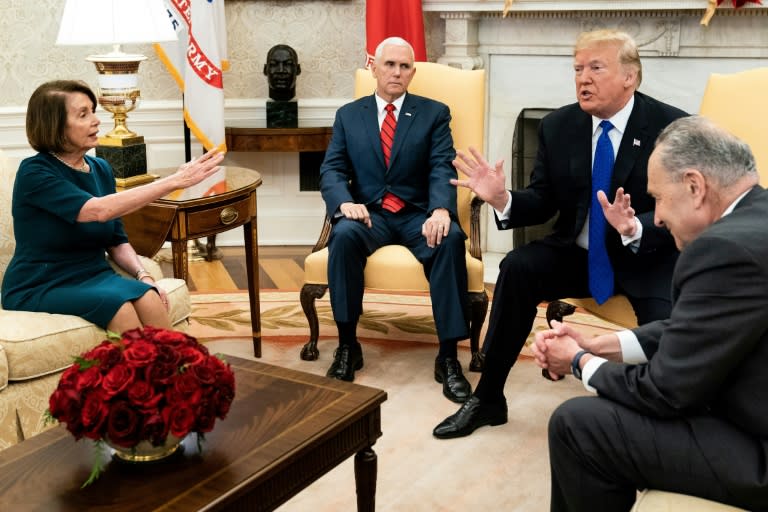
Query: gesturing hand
[619, 214]
[197, 169]
[489, 183]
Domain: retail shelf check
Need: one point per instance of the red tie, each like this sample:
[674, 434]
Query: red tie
[388, 132]
[390, 201]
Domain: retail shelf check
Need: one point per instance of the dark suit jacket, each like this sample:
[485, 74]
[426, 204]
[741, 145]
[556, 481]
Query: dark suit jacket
[710, 358]
[561, 183]
[420, 163]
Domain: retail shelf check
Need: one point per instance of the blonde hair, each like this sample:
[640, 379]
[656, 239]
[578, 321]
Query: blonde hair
[628, 52]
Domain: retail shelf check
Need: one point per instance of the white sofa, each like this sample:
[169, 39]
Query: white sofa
[36, 347]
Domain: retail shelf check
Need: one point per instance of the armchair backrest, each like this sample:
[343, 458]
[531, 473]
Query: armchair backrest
[464, 93]
[736, 102]
[7, 240]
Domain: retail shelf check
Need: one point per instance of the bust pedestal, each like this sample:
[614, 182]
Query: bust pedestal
[282, 114]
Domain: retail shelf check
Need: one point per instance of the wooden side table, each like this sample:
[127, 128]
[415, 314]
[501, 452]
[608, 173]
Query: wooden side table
[204, 210]
[278, 139]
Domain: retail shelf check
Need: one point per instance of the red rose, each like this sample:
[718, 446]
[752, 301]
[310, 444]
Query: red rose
[70, 377]
[204, 373]
[107, 353]
[118, 379]
[185, 388]
[143, 395]
[95, 412]
[123, 426]
[140, 354]
[166, 354]
[88, 379]
[191, 355]
[155, 428]
[206, 416]
[171, 337]
[161, 373]
[64, 405]
[180, 419]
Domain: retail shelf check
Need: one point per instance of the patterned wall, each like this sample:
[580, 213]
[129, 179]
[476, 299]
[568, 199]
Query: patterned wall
[329, 36]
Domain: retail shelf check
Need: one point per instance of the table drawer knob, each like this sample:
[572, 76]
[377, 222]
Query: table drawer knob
[228, 215]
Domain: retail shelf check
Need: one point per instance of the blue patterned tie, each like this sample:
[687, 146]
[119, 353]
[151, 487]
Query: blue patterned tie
[600, 270]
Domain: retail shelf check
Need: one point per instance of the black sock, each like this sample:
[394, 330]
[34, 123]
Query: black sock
[448, 348]
[347, 332]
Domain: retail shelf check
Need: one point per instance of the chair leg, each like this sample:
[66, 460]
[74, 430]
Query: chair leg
[309, 293]
[478, 303]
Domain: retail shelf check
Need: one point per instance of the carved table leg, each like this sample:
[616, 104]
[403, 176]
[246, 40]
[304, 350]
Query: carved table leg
[365, 479]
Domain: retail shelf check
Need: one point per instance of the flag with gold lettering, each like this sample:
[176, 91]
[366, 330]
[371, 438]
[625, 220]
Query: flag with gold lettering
[387, 18]
[196, 61]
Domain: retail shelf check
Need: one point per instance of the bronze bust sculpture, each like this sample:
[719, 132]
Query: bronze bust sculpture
[282, 68]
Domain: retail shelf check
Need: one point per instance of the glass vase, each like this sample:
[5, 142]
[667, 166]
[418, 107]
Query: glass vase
[145, 451]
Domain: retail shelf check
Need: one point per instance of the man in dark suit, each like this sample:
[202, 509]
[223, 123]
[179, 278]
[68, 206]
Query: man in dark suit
[386, 180]
[683, 402]
[637, 257]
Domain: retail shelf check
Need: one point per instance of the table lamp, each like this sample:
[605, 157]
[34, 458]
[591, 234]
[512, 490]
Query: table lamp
[116, 22]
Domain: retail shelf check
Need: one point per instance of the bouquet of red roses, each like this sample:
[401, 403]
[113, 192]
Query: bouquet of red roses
[142, 386]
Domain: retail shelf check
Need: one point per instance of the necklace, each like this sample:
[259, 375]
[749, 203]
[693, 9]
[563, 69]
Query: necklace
[82, 168]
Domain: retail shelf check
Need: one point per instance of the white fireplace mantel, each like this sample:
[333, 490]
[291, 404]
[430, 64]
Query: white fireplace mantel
[571, 5]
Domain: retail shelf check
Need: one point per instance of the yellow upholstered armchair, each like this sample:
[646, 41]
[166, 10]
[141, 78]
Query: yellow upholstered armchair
[393, 267]
[737, 103]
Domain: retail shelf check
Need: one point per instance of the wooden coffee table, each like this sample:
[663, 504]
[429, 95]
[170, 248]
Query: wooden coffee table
[285, 430]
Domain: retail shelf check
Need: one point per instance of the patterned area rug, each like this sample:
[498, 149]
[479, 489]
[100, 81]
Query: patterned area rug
[406, 317]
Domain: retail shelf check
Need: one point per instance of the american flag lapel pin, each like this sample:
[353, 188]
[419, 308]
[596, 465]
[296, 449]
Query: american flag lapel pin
[635, 142]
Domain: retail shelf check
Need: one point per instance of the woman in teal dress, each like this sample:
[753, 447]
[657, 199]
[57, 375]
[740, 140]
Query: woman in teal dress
[67, 217]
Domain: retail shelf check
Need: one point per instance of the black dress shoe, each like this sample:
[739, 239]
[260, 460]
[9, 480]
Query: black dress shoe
[456, 388]
[471, 416]
[346, 359]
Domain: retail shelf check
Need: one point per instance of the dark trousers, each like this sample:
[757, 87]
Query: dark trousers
[602, 452]
[535, 272]
[351, 243]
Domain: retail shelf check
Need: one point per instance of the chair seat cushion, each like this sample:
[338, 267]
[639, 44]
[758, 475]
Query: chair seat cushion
[391, 267]
[37, 344]
[661, 501]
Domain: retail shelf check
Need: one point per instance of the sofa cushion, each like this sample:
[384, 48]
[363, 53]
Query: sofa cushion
[37, 344]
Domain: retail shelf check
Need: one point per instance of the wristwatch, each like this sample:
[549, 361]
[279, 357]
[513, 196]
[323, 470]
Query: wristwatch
[575, 368]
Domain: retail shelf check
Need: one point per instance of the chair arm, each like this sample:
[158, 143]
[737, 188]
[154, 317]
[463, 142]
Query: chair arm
[325, 234]
[474, 228]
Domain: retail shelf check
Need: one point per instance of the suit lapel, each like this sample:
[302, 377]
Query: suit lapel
[580, 142]
[633, 142]
[370, 120]
[404, 122]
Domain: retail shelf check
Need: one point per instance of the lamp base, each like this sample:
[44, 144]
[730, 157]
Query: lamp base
[135, 180]
[129, 163]
[121, 140]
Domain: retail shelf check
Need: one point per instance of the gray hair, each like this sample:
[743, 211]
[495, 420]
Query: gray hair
[392, 41]
[696, 142]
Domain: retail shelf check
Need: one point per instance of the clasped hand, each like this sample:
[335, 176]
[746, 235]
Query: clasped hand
[554, 348]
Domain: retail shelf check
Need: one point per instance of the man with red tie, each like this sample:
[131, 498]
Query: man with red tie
[386, 180]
